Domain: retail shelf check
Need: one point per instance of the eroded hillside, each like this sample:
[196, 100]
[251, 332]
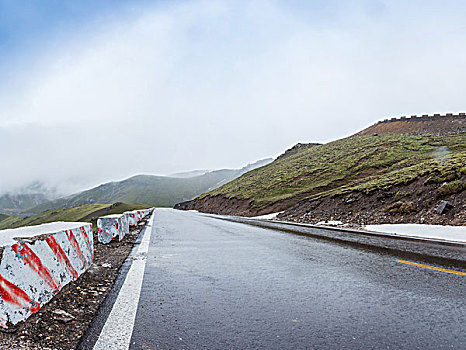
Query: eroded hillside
[408, 175]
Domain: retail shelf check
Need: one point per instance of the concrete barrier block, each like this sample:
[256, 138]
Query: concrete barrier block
[137, 215]
[37, 261]
[124, 226]
[132, 220]
[145, 212]
[109, 227]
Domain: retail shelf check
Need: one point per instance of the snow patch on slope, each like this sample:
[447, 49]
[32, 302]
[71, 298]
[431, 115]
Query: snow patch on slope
[447, 233]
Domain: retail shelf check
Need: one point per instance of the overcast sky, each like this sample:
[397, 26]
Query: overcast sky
[94, 91]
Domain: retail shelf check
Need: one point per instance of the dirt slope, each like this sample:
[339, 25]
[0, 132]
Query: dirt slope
[439, 125]
[371, 177]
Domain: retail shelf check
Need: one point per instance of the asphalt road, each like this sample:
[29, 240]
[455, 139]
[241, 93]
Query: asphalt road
[214, 284]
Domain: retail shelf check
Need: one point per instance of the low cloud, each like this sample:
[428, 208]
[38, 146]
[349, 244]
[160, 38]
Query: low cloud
[210, 84]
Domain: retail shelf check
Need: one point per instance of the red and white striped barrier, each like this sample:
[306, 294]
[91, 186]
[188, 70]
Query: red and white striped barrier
[143, 213]
[137, 215]
[111, 226]
[132, 218]
[37, 261]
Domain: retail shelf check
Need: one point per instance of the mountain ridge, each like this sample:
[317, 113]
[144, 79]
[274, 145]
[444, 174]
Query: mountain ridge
[342, 173]
[152, 190]
[436, 124]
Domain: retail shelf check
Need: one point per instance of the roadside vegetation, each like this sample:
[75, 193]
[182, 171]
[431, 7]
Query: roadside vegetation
[356, 164]
[453, 187]
[85, 213]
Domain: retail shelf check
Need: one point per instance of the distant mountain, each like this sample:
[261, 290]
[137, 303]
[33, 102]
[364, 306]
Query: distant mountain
[12, 204]
[16, 201]
[161, 191]
[188, 174]
[437, 124]
[240, 172]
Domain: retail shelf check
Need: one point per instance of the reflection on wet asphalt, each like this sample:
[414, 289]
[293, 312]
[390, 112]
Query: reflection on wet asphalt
[214, 284]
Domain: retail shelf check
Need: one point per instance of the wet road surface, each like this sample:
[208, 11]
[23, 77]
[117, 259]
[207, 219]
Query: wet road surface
[214, 284]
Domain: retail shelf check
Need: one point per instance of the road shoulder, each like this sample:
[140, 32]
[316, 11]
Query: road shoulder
[61, 323]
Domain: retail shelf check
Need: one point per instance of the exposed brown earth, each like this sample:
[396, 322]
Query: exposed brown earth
[412, 203]
[61, 323]
[423, 125]
[219, 204]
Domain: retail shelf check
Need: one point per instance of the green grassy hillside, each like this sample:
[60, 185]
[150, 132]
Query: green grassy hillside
[88, 212]
[158, 191]
[3, 217]
[151, 190]
[364, 163]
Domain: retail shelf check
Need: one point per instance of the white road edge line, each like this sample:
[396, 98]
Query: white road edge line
[117, 331]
